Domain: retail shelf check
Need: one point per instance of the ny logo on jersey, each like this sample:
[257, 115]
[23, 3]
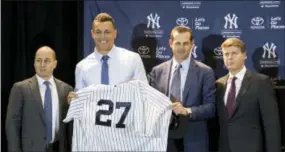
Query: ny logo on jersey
[231, 21]
[110, 104]
[270, 50]
[153, 21]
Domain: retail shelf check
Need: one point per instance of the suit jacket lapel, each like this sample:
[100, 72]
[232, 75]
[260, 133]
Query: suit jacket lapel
[223, 92]
[243, 88]
[60, 92]
[191, 78]
[224, 88]
[34, 86]
[166, 76]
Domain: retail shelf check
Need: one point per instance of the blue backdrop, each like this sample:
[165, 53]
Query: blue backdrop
[144, 27]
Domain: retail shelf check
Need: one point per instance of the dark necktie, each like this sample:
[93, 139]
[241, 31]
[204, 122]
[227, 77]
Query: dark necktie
[175, 95]
[175, 88]
[105, 70]
[48, 112]
[231, 96]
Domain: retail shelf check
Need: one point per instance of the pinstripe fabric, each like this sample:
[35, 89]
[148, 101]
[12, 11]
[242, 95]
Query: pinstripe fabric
[145, 124]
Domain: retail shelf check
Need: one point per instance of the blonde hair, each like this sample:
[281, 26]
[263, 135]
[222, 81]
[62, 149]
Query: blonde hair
[234, 42]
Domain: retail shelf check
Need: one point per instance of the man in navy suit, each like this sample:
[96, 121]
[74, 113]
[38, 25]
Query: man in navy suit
[192, 84]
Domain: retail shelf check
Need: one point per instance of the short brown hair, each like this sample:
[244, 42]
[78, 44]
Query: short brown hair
[181, 29]
[234, 42]
[104, 17]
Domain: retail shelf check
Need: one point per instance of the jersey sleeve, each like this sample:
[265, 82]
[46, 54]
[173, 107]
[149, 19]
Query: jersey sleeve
[77, 105]
[156, 109]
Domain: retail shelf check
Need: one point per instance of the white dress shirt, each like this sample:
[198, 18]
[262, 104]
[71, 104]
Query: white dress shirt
[183, 73]
[123, 66]
[55, 104]
[239, 77]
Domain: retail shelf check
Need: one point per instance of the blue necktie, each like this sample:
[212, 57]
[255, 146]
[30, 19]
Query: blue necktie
[48, 112]
[105, 70]
[175, 88]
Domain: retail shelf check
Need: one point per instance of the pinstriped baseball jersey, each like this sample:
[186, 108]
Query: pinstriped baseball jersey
[130, 116]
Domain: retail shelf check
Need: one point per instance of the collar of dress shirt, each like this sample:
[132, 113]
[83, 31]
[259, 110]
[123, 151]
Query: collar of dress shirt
[185, 64]
[99, 56]
[41, 80]
[239, 75]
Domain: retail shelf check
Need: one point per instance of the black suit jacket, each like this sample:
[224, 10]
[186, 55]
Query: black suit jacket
[25, 124]
[254, 125]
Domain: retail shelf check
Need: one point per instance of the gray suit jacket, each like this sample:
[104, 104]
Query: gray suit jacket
[25, 124]
[254, 125]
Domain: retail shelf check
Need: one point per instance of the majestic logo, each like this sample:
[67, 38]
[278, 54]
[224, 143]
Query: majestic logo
[153, 21]
[269, 50]
[182, 21]
[257, 21]
[230, 21]
[143, 50]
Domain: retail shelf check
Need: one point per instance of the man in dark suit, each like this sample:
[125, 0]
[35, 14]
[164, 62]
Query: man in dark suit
[192, 85]
[36, 109]
[247, 108]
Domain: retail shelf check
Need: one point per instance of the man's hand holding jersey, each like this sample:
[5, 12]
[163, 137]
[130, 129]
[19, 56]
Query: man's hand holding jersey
[71, 95]
[179, 109]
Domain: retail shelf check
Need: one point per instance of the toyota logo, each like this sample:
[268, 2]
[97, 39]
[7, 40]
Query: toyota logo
[182, 21]
[143, 50]
[218, 51]
[257, 21]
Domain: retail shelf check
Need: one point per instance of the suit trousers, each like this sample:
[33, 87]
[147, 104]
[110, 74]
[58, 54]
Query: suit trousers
[52, 147]
[175, 145]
